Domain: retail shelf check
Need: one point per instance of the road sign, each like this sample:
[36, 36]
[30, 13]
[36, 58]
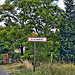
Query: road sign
[37, 39]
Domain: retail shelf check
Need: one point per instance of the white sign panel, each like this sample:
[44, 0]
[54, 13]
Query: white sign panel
[37, 39]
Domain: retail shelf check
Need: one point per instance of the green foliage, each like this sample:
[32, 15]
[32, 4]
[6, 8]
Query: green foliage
[3, 48]
[39, 15]
[1, 59]
[12, 54]
[7, 7]
[8, 14]
[43, 49]
[67, 33]
[15, 55]
[1, 62]
[1, 56]
[34, 16]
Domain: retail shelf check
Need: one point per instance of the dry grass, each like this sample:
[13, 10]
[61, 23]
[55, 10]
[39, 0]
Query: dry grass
[11, 67]
[63, 69]
[28, 65]
[26, 68]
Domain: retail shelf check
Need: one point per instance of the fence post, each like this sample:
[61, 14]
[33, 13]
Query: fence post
[5, 59]
[51, 60]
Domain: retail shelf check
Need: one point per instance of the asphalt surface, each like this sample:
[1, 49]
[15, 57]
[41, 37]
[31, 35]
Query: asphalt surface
[2, 72]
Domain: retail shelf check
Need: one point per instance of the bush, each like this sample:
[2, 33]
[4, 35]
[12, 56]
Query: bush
[15, 55]
[12, 54]
[1, 56]
[3, 48]
[1, 62]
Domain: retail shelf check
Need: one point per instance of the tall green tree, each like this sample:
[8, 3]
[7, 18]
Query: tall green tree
[35, 15]
[67, 32]
[15, 35]
[40, 15]
[13, 29]
[8, 15]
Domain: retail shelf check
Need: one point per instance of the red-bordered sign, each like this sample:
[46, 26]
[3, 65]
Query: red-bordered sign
[37, 39]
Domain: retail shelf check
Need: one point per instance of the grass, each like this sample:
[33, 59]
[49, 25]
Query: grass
[43, 69]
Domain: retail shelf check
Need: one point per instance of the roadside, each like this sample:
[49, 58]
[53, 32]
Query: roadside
[43, 69]
[3, 72]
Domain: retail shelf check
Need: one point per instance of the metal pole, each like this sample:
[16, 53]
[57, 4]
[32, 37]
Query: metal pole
[34, 58]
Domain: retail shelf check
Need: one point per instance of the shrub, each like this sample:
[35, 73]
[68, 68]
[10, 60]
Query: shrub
[15, 55]
[3, 48]
[1, 56]
[1, 62]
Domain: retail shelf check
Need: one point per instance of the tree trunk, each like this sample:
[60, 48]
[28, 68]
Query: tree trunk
[21, 50]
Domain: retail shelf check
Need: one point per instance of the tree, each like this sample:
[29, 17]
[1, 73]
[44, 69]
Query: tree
[9, 14]
[35, 15]
[15, 35]
[67, 32]
[40, 15]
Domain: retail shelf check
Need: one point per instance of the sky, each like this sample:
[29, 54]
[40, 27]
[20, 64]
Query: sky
[60, 4]
[2, 1]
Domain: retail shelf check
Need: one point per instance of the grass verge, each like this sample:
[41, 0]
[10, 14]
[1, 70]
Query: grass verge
[43, 69]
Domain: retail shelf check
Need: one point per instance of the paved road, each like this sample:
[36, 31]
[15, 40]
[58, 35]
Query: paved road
[2, 72]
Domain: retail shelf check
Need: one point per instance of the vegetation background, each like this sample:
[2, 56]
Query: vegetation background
[26, 17]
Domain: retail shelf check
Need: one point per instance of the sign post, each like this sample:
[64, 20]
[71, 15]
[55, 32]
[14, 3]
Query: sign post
[36, 39]
[34, 58]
